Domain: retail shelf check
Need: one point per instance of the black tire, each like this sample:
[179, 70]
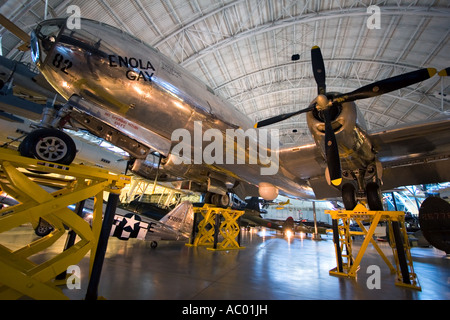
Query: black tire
[349, 196]
[208, 198]
[43, 228]
[153, 244]
[221, 201]
[374, 197]
[49, 145]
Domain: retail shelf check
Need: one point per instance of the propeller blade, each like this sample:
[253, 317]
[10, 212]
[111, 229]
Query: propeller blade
[14, 29]
[332, 151]
[282, 117]
[318, 67]
[387, 85]
[444, 72]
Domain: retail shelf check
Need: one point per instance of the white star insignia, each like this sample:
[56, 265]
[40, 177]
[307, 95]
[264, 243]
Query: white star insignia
[130, 222]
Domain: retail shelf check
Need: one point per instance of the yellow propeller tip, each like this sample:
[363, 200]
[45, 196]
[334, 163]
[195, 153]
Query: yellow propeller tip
[315, 47]
[432, 71]
[255, 126]
[336, 182]
[443, 73]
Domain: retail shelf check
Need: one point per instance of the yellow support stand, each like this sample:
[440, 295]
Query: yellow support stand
[208, 232]
[20, 276]
[348, 266]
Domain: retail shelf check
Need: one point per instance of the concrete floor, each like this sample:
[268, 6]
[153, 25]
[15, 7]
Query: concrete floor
[269, 268]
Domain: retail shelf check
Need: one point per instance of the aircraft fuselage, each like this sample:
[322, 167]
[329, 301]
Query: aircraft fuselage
[132, 87]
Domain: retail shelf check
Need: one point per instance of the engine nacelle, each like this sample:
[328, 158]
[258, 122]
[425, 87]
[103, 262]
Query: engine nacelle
[353, 142]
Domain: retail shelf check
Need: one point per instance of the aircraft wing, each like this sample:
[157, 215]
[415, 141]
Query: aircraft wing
[307, 164]
[414, 154]
[410, 154]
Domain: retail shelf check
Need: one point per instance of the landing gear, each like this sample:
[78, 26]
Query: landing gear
[364, 187]
[153, 244]
[43, 228]
[373, 194]
[218, 200]
[349, 196]
[49, 145]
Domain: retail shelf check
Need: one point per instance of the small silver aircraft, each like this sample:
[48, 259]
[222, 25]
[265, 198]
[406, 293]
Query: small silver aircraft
[127, 92]
[174, 226]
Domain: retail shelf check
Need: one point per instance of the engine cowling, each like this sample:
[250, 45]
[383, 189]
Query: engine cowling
[355, 149]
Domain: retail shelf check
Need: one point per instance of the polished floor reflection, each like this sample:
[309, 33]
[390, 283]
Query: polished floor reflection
[270, 267]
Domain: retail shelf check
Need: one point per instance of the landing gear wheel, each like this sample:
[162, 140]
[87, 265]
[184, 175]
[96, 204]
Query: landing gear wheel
[220, 200]
[153, 244]
[349, 196]
[374, 197]
[49, 145]
[208, 197]
[43, 228]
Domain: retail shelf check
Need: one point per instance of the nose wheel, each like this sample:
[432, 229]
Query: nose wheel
[49, 145]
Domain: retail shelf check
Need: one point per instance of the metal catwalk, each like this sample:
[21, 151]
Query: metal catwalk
[270, 268]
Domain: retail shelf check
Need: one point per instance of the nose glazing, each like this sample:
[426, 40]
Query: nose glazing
[43, 38]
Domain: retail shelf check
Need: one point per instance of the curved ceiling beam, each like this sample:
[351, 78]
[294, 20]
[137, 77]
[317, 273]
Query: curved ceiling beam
[286, 85]
[196, 21]
[308, 62]
[348, 89]
[312, 17]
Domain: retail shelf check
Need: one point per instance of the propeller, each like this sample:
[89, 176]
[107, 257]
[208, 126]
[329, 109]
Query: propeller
[323, 104]
[444, 72]
[14, 29]
[282, 117]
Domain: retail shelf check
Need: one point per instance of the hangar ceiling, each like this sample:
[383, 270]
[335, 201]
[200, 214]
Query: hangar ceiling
[243, 48]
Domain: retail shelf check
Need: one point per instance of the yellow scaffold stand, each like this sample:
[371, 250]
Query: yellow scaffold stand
[21, 178]
[208, 233]
[347, 266]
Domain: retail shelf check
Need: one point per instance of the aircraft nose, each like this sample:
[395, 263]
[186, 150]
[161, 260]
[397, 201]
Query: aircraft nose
[44, 37]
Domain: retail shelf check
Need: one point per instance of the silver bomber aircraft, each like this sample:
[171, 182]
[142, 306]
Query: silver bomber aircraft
[125, 91]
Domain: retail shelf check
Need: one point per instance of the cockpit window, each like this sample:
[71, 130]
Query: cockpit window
[48, 31]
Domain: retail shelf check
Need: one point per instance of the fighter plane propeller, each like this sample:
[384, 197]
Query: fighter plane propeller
[324, 103]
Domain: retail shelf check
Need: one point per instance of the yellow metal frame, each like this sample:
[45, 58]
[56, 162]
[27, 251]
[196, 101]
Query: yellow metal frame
[228, 228]
[205, 235]
[20, 276]
[361, 214]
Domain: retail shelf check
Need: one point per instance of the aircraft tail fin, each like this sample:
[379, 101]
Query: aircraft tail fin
[180, 218]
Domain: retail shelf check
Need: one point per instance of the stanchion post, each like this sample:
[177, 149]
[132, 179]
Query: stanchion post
[400, 252]
[92, 291]
[337, 245]
[216, 230]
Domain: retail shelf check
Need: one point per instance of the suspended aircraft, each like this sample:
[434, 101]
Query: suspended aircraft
[123, 90]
